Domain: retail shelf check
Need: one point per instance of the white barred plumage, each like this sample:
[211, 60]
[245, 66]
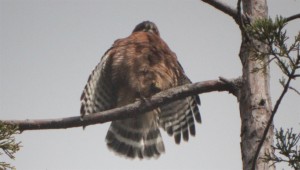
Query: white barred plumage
[135, 68]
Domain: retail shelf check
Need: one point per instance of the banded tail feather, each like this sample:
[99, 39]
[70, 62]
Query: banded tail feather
[132, 140]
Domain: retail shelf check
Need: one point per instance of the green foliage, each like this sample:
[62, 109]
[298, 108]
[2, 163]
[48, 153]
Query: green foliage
[266, 30]
[287, 148]
[272, 34]
[8, 144]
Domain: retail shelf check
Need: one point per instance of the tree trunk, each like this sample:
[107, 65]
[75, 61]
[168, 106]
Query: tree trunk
[255, 101]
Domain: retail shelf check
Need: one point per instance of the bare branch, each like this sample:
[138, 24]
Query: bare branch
[295, 90]
[297, 16]
[127, 111]
[242, 20]
[224, 8]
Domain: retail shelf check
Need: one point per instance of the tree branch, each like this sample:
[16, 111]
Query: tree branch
[224, 8]
[297, 16]
[127, 111]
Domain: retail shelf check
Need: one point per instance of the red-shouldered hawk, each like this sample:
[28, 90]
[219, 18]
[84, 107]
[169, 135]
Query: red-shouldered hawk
[137, 67]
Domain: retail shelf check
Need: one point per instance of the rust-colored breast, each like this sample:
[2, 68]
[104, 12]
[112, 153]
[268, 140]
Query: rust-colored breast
[142, 65]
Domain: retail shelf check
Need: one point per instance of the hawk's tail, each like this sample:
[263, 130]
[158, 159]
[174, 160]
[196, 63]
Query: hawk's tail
[132, 138]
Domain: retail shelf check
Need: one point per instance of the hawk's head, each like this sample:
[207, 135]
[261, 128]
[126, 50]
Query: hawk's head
[146, 26]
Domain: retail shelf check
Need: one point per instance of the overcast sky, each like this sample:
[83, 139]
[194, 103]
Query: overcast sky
[49, 48]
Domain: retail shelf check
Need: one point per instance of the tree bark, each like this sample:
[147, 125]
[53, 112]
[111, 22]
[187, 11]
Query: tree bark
[255, 101]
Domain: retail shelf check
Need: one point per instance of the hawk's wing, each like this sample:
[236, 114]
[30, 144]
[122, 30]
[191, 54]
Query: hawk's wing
[98, 94]
[177, 117]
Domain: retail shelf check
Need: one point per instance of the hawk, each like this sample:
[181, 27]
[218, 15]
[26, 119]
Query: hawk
[135, 68]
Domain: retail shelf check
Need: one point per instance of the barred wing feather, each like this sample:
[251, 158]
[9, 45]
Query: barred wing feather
[98, 94]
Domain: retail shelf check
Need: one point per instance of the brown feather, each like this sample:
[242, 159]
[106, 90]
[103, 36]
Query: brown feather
[134, 68]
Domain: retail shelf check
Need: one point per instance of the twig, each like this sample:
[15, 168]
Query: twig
[295, 90]
[127, 111]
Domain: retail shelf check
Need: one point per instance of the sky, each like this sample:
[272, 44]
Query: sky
[48, 48]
